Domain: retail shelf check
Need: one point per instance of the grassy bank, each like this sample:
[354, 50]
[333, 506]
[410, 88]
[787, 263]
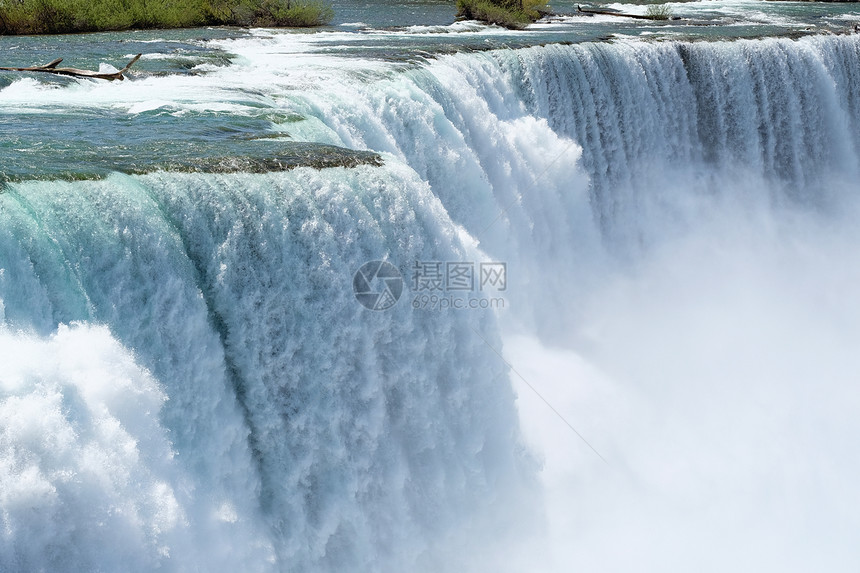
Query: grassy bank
[71, 16]
[508, 13]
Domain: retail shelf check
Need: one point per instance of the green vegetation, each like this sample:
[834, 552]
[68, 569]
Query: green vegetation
[508, 13]
[658, 12]
[69, 16]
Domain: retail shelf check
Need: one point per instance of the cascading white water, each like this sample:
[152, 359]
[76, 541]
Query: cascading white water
[328, 435]
[660, 115]
[220, 401]
[550, 155]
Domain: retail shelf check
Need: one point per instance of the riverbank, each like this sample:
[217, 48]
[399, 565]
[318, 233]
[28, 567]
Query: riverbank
[77, 16]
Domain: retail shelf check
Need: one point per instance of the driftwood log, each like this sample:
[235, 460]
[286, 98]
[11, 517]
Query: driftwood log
[623, 15]
[51, 68]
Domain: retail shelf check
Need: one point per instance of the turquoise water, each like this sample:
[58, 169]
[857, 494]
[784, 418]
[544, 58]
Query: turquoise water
[71, 139]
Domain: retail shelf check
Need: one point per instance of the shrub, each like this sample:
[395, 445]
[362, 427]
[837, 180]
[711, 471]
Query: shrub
[69, 16]
[513, 14]
[658, 11]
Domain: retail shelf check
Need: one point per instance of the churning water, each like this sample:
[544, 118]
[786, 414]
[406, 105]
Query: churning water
[666, 380]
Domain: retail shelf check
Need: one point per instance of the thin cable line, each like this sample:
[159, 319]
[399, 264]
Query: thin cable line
[538, 394]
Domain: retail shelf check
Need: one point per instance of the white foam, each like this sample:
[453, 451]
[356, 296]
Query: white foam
[85, 465]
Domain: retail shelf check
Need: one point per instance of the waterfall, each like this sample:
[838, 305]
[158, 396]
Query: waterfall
[187, 381]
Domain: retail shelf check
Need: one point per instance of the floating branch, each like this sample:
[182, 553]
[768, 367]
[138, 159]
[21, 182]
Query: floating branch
[52, 68]
[623, 15]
